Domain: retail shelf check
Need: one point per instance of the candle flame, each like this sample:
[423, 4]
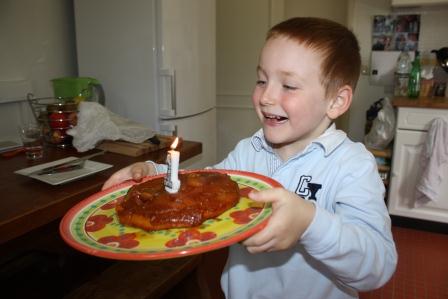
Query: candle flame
[174, 144]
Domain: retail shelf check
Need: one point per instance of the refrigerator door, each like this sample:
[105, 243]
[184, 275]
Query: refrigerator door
[202, 128]
[186, 57]
[117, 46]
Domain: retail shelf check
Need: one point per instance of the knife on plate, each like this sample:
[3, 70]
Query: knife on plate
[66, 166]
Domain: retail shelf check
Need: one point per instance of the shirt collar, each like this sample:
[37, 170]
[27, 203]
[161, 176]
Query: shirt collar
[328, 141]
[259, 143]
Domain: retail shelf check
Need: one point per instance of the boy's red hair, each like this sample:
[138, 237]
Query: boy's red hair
[341, 61]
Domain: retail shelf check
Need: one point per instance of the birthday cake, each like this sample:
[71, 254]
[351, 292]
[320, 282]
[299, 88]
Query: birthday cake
[202, 195]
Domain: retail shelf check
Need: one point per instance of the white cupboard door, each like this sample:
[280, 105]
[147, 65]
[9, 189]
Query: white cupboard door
[405, 167]
[406, 170]
[186, 40]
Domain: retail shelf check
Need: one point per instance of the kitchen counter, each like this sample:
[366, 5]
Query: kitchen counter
[424, 102]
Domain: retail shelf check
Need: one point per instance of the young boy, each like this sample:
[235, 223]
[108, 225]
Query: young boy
[329, 235]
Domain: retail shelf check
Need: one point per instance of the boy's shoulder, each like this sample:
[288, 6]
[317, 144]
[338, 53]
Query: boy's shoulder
[353, 153]
[337, 144]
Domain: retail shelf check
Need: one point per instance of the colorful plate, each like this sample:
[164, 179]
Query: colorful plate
[93, 228]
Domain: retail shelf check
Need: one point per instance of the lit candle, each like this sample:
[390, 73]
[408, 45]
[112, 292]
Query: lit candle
[172, 183]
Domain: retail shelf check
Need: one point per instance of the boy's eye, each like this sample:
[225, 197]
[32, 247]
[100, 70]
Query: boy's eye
[289, 87]
[261, 82]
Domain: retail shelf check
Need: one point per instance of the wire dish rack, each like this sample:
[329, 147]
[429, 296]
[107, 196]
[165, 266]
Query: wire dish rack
[55, 116]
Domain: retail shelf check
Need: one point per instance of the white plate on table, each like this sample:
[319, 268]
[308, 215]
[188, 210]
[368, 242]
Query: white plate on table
[90, 167]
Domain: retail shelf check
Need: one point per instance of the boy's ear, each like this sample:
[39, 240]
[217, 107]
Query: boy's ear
[340, 102]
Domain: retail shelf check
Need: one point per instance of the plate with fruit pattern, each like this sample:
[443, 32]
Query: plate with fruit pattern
[92, 225]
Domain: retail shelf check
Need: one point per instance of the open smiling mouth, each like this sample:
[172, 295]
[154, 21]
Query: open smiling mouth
[274, 119]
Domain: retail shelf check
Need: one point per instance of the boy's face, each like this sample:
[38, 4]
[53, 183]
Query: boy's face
[289, 98]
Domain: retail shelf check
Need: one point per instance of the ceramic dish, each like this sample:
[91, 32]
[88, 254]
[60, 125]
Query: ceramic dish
[93, 227]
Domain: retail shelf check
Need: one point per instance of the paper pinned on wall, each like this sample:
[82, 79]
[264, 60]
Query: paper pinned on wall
[395, 32]
[391, 34]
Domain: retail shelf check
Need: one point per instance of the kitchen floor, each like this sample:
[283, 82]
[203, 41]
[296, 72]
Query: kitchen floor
[422, 271]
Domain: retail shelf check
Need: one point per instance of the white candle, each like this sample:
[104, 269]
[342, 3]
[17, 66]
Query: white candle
[172, 182]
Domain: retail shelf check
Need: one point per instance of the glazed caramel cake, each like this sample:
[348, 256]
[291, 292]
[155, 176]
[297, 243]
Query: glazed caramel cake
[202, 195]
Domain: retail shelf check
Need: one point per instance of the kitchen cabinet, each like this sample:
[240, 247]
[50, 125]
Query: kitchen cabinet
[398, 3]
[412, 129]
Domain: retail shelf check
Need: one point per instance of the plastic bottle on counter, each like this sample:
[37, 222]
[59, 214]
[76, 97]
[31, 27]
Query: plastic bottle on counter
[414, 78]
[401, 75]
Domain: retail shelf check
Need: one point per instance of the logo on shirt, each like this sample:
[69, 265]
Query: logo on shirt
[306, 189]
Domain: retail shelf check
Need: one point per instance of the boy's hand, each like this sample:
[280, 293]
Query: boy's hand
[291, 215]
[135, 171]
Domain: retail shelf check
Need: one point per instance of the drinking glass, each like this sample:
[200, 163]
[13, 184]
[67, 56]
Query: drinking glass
[31, 135]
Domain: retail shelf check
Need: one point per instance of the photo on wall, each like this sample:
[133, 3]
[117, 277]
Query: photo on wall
[395, 32]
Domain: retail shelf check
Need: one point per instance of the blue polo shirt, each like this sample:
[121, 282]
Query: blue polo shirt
[348, 246]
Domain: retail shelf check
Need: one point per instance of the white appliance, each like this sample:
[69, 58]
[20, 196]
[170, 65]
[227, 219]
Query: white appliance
[156, 62]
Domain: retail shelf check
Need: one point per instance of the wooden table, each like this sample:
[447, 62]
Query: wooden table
[30, 211]
[27, 204]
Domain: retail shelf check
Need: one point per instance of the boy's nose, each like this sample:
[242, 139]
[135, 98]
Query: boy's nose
[267, 98]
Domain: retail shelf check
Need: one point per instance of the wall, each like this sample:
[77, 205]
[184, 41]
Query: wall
[335, 10]
[241, 29]
[36, 44]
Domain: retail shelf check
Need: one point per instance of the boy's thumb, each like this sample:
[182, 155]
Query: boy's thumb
[269, 195]
[137, 174]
